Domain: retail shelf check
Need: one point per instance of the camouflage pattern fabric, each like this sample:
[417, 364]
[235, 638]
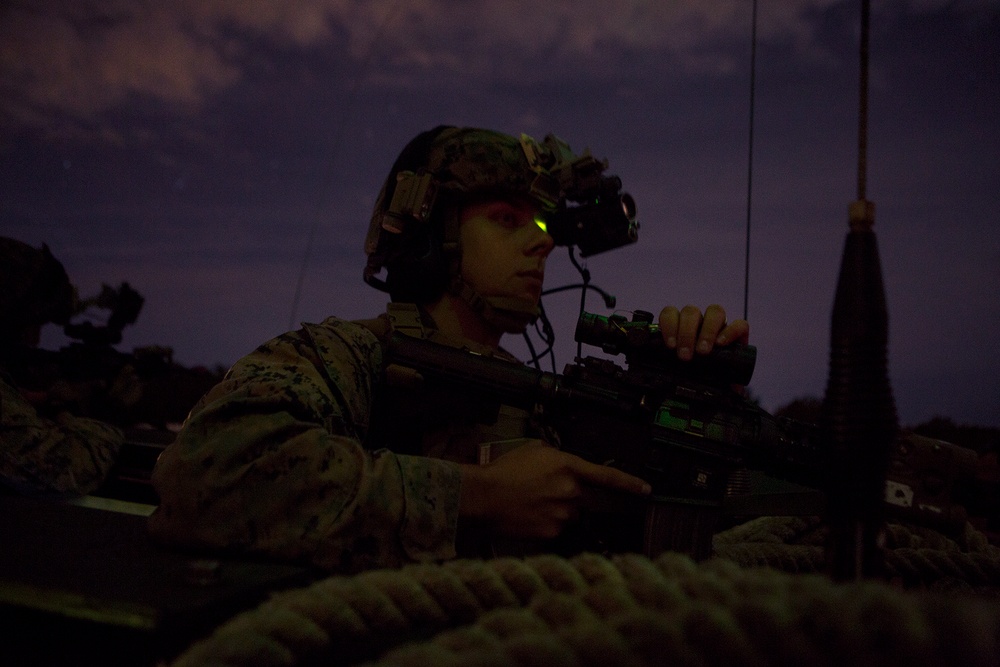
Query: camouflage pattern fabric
[277, 460]
[474, 160]
[69, 454]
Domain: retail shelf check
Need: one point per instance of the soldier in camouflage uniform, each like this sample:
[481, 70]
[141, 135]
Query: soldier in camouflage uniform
[39, 452]
[310, 451]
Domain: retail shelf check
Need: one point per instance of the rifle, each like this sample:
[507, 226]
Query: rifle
[681, 426]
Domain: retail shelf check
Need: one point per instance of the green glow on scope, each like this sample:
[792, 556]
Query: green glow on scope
[542, 225]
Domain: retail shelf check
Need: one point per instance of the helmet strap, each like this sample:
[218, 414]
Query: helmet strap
[509, 314]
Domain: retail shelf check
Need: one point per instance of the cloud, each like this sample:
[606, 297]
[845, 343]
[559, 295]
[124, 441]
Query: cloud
[81, 58]
[74, 60]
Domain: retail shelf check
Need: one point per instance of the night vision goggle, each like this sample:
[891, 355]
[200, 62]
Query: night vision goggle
[586, 208]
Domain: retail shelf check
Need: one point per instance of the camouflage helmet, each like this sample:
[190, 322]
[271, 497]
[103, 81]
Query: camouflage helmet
[450, 162]
[413, 232]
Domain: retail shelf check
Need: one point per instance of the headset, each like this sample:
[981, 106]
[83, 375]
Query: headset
[400, 237]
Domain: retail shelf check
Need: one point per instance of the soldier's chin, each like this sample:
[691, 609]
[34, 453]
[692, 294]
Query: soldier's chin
[515, 325]
[512, 314]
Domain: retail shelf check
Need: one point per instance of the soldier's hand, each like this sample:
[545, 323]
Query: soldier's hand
[535, 489]
[690, 332]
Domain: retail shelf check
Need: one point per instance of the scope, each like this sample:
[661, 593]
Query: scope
[641, 342]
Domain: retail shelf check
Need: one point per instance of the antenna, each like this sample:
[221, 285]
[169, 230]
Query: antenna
[753, 87]
[863, 105]
[352, 95]
[859, 413]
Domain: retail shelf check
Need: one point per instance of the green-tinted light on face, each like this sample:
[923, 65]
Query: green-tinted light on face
[541, 225]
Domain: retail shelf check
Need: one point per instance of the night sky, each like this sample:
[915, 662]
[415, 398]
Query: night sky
[218, 154]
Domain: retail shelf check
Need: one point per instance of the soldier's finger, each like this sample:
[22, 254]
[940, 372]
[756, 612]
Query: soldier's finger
[737, 331]
[668, 321]
[712, 324]
[687, 331]
[611, 477]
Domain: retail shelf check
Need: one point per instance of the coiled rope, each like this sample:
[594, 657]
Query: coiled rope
[593, 610]
[915, 556]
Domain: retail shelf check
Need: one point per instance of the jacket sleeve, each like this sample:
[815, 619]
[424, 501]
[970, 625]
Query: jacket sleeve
[272, 461]
[67, 454]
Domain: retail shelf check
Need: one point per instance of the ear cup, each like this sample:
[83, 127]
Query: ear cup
[416, 268]
[413, 157]
[419, 278]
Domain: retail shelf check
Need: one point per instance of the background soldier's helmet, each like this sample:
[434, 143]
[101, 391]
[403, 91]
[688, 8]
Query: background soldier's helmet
[34, 288]
[413, 232]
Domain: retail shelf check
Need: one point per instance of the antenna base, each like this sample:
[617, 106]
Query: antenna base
[861, 215]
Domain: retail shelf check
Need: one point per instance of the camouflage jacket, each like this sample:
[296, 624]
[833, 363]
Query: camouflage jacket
[66, 454]
[303, 453]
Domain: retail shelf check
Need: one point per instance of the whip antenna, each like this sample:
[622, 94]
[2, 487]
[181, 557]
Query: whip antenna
[859, 413]
[352, 95]
[753, 86]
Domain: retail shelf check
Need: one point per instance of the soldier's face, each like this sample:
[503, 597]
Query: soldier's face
[504, 249]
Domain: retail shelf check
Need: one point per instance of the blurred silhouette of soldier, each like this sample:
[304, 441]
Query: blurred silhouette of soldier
[45, 446]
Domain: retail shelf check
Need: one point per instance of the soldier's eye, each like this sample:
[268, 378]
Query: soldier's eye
[506, 215]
